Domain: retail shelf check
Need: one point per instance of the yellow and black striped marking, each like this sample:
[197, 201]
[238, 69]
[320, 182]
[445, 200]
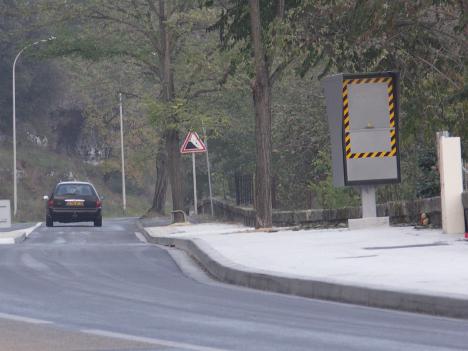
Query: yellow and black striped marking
[391, 106]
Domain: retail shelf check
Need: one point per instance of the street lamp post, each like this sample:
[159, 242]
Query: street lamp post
[15, 189]
[124, 196]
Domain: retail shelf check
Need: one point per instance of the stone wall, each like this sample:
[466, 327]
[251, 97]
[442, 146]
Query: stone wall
[400, 212]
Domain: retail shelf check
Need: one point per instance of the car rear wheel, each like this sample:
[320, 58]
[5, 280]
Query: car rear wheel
[49, 221]
[98, 222]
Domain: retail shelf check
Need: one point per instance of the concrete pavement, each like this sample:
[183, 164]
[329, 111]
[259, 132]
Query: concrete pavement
[17, 233]
[400, 267]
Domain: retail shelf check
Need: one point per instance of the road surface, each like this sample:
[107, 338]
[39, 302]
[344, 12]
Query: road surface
[76, 287]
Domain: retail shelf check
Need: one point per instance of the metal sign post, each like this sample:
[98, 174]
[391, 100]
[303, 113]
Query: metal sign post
[194, 185]
[192, 145]
[369, 207]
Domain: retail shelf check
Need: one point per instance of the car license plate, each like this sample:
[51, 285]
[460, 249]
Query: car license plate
[75, 203]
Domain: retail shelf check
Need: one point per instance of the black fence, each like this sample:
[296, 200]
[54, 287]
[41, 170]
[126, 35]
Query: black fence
[244, 185]
[245, 190]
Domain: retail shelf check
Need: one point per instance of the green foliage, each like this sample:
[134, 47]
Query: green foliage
[184, 115]
[329, 196]
[321, 185]
[428, 184]
[424, 40]
[104, 47]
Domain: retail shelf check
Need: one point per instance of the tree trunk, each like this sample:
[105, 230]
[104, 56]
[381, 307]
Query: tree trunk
[171, 136]
[175, 174]
[261, 92]
[160, 189]
[280, 9]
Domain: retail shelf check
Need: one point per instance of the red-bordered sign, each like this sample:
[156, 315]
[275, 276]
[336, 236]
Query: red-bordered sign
[192, 144]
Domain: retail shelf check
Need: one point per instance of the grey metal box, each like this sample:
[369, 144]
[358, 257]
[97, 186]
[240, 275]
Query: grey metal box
[362, 112]
[5, 214]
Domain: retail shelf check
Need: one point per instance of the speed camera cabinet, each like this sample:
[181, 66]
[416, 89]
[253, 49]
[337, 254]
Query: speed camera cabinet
[362, 112]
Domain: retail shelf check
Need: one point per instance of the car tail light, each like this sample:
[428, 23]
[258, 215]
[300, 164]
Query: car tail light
[50, 203]
[98, 204]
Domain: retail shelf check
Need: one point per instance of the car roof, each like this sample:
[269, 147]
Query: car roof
[76, 182]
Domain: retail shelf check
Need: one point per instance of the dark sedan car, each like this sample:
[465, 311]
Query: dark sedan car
[74, 202]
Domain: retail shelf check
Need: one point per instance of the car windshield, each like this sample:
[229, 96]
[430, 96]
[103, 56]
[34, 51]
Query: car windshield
[74, 189]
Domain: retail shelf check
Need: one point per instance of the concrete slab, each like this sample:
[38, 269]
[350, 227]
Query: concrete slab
[368, 222]
[16, 236]
[12, 238]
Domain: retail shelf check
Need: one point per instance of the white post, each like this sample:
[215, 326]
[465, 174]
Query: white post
[194, 185]
[209, 172]
[369, 207]
[451, 185]
[124, 196]
[15, 194]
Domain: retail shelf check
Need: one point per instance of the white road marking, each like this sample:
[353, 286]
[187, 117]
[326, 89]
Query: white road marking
[23, 319]
[152, 341]
[141, 237]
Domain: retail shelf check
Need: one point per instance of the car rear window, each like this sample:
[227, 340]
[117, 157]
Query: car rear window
[74, 189]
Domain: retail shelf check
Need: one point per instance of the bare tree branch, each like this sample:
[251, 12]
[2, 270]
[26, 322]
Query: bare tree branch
[455, 84]
[280, 69]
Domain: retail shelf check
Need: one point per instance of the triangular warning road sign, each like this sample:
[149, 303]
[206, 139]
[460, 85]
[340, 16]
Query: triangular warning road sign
[192, 144]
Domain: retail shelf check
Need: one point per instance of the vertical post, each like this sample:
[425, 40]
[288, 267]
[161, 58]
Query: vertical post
[237, 185]
[15, 172]
[241, 189]
[124, 195]
[439, 135]
[194, 185]
[15, 193]
[451, 185]
[209, 172]
[369, 207]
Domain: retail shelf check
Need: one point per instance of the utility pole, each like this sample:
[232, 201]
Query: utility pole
[15, 173]
[124, 196]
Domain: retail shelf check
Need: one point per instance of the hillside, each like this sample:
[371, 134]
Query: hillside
[39, 169]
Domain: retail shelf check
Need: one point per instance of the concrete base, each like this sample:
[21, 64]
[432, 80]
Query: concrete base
[368, 222]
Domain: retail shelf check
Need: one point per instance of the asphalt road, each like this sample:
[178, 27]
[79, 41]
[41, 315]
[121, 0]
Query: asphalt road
[83, 288]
